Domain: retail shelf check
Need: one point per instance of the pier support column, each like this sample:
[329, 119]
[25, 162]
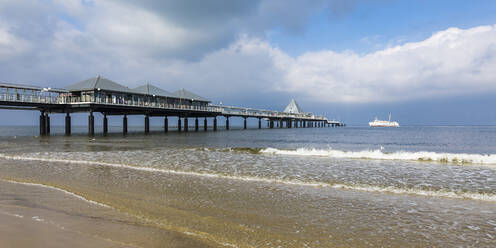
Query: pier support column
[147, 124]
[166, 124]
[281, 123]
[179, 123]
[205, 124]
[91, 124]
[42, 123]
[47, 123]
[271, 124]
[68, 124]
[105, 124]
[196, 124]
[215, 123]
[244, 123]
[296, 123]
[227, 122]
[124, 125]
[186, 124]
[259, 123]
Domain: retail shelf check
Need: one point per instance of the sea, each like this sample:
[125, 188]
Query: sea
[417, 186]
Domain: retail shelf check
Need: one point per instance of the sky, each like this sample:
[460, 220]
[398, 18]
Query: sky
[426, 62]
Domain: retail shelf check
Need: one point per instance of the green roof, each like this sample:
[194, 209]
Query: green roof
[184, 94]
[149, 89]
[98, 83]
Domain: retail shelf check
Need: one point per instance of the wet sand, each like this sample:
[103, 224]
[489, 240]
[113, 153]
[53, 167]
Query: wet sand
[36, 216]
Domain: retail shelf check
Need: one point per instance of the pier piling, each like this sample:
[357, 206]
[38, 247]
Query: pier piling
[259, 123]
[196, 124]
[147, 124]
[91, 124]
[124, 125]
[47, 123]
[105, 124]
[205, 124]
[227, 122]
[215, 123]
[186, 124]
[68, 124]
[166, 124]
[179, 123]
[244, 123]
[42, 123]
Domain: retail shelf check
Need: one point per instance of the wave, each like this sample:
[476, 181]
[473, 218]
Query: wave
[357, 187]
[57, 189]
[250, 150]
[453, 158]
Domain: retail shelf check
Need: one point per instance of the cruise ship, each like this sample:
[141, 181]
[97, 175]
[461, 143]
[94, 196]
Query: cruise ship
[379, 123]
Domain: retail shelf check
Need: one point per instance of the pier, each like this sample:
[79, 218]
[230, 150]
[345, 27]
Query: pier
[101, 95]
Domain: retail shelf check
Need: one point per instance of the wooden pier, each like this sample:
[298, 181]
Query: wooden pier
[111, 99]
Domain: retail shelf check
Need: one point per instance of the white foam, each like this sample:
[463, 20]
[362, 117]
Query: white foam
[11, 214]
[454, 158]
[365, 188]
[58, 189]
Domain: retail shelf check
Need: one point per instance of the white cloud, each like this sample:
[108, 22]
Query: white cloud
[449, 63]
[11, 45]
[133, 45]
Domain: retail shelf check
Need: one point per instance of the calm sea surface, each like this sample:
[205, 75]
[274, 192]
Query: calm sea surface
[320, 187]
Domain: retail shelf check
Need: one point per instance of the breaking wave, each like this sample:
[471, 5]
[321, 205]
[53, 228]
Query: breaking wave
[452, 158]
[357, 187]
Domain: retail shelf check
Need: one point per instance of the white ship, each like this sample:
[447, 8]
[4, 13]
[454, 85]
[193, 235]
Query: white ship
[379, 123]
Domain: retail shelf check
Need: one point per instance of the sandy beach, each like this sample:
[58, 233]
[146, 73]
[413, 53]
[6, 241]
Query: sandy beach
[33, 215]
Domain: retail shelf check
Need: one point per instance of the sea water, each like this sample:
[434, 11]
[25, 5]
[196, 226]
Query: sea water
[300, 187]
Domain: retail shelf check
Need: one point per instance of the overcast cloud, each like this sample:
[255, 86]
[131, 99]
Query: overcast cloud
[220, 49]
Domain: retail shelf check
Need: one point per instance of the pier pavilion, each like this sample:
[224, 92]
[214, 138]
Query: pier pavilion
[107, 97]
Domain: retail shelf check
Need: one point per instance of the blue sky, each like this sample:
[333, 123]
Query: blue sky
[427, 62]
[373, 25]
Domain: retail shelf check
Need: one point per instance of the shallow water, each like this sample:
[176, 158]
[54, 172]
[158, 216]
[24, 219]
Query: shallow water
[320, 187]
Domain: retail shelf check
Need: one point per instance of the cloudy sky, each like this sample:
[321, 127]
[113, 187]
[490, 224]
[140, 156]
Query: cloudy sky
[427, 62]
